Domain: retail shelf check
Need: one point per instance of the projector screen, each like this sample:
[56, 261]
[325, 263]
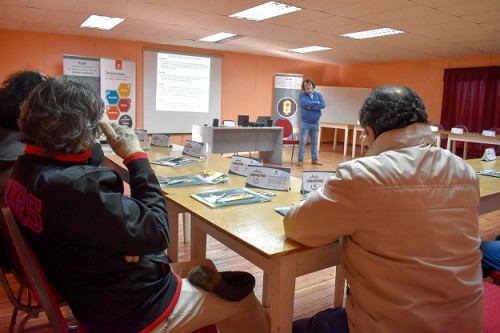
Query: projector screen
[180, 90]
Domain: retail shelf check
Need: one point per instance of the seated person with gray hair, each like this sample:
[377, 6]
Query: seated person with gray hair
[407, 213]
[104, 251]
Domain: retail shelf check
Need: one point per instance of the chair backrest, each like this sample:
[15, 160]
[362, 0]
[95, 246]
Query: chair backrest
[41, 288]
[287, 126]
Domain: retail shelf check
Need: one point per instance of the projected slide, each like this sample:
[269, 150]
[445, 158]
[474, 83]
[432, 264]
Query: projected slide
[183, 83]
[180, 90]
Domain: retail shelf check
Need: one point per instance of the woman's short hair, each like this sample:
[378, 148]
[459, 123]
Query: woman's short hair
[61, 114]
[308, 81]
[14, 90]
[391, 107]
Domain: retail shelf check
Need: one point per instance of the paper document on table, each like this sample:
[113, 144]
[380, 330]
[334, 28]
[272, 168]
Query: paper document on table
[175, 161]
[229, 197]
[492, 173]
[203, 178]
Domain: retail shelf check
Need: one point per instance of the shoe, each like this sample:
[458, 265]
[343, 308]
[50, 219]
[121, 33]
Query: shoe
[299, 163]
[316, 162]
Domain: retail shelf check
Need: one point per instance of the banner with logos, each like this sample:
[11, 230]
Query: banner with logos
[118, 90]
[113, 79]
[86, 69]
[287, 88]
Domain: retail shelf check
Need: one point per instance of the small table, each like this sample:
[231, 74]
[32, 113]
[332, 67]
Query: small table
[469, 137]
[336, 126]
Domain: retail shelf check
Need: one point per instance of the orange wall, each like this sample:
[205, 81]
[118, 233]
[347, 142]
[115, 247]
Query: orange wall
[425, 77]
[247, 80]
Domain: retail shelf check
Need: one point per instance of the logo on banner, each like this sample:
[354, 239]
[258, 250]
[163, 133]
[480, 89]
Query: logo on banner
[287, 107]
[118, 64]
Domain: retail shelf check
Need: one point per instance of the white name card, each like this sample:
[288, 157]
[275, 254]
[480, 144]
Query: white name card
[457, 130]
[489, 133]
[161, 140]
[193, 148]
[489, 155]
[239, 165]
[313, 180]
[434, 128]
[269, 178]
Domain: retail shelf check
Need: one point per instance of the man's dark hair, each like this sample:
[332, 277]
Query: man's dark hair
[14, 90]
[61, 114]
[308, 81]
[391, 107]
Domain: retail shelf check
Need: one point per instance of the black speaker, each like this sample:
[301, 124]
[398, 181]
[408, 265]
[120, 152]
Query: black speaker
[269, 123]
[243, 120]
[215, 123]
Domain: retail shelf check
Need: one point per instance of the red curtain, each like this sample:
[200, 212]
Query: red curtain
[471, 97]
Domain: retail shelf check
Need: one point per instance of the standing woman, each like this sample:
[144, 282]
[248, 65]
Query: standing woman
[311, 104]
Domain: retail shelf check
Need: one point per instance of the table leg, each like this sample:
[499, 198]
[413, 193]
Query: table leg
[346, 140]
[281, 286]
[354, 135]
[338, 298]
[173, 218]
[198, 243]
[465, 150]
[334, 139]
[187, 227]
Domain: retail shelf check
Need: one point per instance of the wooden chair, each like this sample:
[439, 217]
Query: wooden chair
[288, 135]
[44, 293]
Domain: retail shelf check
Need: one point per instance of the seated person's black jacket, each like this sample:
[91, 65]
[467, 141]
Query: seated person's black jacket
[80, 226]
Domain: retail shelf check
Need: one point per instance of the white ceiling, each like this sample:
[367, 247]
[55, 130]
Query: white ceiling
[436, 28]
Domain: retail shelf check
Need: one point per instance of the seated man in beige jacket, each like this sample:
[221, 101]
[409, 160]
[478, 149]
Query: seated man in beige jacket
[408, 214]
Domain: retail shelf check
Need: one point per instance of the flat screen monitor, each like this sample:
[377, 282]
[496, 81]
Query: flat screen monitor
[262, 120]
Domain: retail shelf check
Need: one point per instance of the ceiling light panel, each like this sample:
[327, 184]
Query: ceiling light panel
[373, 33]
[101, 22]
[265, 11]
[309, 49]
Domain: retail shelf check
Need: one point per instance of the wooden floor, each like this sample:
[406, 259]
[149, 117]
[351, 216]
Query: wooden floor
[313, 292]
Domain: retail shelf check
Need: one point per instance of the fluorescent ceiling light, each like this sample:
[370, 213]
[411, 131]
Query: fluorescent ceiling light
[310, 49]
[373, 33]
[265, 11]
[221, 37]
[101, 22]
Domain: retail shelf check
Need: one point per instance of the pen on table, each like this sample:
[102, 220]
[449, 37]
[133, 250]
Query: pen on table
[221, 197]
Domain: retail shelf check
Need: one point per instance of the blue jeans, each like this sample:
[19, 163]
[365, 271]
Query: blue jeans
[306, 130]
[491, 256]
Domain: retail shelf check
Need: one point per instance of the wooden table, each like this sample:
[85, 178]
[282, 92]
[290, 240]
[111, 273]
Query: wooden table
[254, 231]
[469, 137]
[489, 186]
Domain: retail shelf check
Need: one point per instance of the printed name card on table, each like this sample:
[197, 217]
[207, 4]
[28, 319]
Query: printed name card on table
[269, 178]
[142, 134]
[313, 180]
[193, 148]
[457, 130]
[161, 140]
[489, 133]
[239, 165]
[489, 155]
[434, 128]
